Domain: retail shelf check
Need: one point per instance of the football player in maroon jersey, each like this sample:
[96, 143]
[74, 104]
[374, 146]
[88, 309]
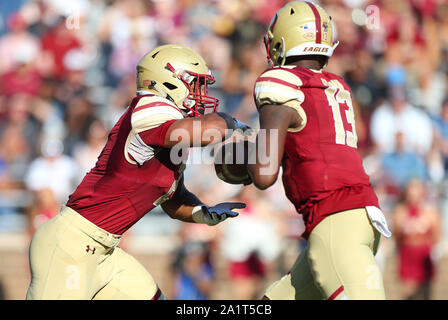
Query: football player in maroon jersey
[307, 114]
[76, 255]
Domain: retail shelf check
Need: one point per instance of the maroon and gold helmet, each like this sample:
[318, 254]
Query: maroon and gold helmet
[179, 74]
[299, 28]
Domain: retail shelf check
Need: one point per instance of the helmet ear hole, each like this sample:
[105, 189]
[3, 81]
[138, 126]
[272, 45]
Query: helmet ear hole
[277, 47]
[170, 86]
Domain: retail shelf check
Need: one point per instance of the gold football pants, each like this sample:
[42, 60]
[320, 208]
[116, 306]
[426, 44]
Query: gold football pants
[71, 258]
[338, 262]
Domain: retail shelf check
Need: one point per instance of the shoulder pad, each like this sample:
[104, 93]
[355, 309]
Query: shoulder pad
[152, 111]
[277, 86]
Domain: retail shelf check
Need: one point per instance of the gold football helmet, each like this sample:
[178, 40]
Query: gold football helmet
[179, 74]
[299, 28]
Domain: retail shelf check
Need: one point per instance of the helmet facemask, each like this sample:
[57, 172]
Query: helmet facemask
[197, 102]
[267, 41]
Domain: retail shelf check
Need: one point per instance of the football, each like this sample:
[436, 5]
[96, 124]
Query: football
[231, 160]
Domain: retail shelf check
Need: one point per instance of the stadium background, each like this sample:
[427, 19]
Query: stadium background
[67, 73]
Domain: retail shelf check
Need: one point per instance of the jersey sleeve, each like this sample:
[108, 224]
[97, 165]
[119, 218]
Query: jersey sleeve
[152, 112]
[150, 120]
[156, 136]
[278, 86]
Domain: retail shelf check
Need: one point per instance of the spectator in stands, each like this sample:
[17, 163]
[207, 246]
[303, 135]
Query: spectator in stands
[251, 246]
[85, 153]
[417, 229]
[401, 165]
[56, 43]
[441, 127]
[18, 45]
[53, 170]
[80, 114]
[400, 115]
[193, 273]
[19, 132]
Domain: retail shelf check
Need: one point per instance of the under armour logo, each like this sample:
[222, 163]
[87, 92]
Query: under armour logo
[88, 249]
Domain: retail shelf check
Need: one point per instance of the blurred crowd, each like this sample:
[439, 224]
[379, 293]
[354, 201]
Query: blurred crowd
[67, 72]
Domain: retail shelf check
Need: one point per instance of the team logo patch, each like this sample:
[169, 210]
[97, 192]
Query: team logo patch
[309, 35]
[309, 31]
[325, 31]
[88, 249]
[309, 27]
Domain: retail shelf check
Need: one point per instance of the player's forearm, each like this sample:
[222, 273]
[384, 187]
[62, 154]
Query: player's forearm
[202, 131]
[182, 205]
[182, 213]
[274, 123]
[263, 175]
[268, 153]
[209, 129]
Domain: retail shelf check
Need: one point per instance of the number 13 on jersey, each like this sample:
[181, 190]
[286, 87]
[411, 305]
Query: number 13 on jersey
[337, 95]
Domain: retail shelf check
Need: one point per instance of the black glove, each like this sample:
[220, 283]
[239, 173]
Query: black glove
[245, 129]
[235, 124]
[216, 214]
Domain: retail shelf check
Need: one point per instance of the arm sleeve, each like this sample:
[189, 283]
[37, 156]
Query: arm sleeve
[280, 87]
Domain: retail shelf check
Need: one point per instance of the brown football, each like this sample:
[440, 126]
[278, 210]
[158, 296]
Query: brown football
[231, 160]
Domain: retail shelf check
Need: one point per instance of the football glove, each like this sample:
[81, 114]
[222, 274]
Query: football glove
[235, 124]
[213, 215]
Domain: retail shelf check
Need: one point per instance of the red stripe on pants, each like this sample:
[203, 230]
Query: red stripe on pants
[157, 295]
[335, 294]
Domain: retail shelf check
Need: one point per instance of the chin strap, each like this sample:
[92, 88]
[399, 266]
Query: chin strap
[282, 54]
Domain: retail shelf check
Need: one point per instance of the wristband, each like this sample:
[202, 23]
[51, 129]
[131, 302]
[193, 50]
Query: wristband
[228, 119]
[197, 214]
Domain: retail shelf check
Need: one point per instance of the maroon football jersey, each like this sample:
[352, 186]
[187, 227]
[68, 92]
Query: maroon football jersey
[133, 173]
[322, 169]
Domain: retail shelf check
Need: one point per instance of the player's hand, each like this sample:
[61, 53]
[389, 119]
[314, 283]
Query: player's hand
[216, 214]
